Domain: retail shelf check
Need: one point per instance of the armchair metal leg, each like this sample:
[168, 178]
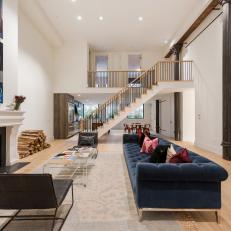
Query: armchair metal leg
[54, 218]
[11, 219]
[217, 217]
[140, 214]
[72, 195]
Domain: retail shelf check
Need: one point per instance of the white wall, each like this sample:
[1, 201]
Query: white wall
[119, 60]
[10, 50]
[146, 120]
[188, 115]
[206, 52]
[71, 66]
[35, 79]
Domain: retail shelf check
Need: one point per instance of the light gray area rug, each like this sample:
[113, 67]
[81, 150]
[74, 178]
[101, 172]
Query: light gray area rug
[107, 204]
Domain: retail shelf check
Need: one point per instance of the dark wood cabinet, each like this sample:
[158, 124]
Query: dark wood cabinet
[65, 124]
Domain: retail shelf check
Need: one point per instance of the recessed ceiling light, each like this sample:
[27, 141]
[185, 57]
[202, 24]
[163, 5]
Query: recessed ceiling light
[79, 18]
[101, 18]
[141, 18]
[73, 0]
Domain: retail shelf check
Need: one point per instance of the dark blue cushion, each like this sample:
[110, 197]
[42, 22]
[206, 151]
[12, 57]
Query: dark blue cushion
[206, 172]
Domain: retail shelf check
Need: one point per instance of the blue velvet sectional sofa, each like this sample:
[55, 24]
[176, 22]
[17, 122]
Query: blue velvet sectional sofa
[166, 186]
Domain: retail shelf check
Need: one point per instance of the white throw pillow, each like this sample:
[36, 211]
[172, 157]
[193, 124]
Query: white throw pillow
[170, 153]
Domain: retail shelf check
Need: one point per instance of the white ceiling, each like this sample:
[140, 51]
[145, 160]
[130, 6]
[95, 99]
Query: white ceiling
[120, 30]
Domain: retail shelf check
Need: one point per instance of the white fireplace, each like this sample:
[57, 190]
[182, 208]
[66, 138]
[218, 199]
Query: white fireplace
[11, 120]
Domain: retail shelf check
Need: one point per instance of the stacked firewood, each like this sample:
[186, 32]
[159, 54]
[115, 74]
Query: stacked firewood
[30, 142]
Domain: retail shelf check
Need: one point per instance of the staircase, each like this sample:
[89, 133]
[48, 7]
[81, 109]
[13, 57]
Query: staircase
[158, 79]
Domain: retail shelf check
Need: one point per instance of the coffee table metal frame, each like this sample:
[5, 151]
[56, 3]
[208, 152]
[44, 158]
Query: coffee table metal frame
[70, 168]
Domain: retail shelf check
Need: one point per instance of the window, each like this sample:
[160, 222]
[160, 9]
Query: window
[137, 114]
[134, 62]
[89, 108]
[101, 63]
[101, 66]
[134, 67]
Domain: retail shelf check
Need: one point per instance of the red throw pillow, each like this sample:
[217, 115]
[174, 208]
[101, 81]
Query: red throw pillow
[149, 145]
[181, 157]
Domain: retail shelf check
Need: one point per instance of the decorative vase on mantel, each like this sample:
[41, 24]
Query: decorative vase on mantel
[18, 100]
[17, 106]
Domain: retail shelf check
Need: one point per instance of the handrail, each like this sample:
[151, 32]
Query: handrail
[121, 71]
[161, 71]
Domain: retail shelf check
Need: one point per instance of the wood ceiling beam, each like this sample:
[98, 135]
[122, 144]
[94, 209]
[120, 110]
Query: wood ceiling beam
[211, 6]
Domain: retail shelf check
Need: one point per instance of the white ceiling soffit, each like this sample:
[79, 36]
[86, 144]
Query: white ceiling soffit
[92, 99]
[39, 18]
[120, 29]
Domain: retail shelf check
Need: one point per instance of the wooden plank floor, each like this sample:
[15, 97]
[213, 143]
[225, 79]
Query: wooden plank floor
[113, 143]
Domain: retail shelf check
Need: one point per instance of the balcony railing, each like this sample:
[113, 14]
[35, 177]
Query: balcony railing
[104, 79]
[163, 71]
[167, 70]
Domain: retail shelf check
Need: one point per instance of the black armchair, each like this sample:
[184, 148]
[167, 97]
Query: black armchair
[33, 191]
[83, 135]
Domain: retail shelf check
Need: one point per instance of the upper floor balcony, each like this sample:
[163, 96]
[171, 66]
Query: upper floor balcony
[162, 71]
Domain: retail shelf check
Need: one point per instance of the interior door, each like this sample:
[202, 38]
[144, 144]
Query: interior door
[165, 117]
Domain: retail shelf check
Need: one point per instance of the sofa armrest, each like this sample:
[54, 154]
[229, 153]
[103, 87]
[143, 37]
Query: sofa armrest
[205, 172]
[130, 138]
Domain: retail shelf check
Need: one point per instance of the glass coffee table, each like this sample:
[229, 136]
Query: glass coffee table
[71, 165]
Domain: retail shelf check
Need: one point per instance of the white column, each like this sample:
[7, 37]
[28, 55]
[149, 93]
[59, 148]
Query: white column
[11, 144]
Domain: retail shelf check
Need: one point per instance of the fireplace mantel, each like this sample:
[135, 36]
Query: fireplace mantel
[12, 121]
[11, 118]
